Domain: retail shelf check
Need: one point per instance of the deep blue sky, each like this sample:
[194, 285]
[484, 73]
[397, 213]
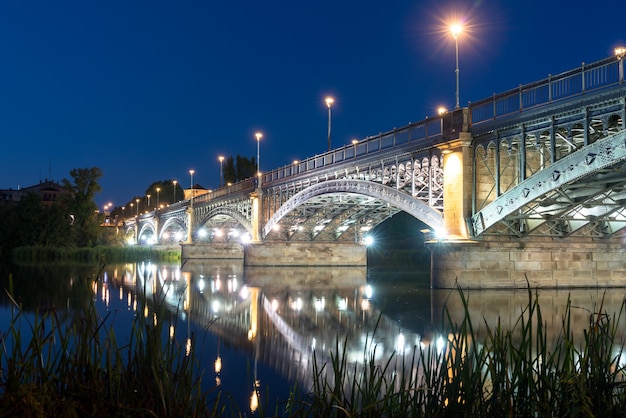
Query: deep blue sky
[147, 90]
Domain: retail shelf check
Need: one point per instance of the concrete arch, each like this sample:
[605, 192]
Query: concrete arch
[397, 198]
[231, 213]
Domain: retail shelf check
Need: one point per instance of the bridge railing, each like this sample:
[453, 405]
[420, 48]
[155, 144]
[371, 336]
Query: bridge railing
[425, 130]
[242, 186]
[581, 80]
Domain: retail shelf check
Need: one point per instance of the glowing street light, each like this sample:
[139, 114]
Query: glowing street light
[175, 182]
[148, 196]
[329, 101]
[158, 190]
[441, 111]
[221, 158]
[137, 200]
[191, 197]
[456, 30]
[258, 136]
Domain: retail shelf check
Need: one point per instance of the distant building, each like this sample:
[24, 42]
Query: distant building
[197, 190]
[48, 190]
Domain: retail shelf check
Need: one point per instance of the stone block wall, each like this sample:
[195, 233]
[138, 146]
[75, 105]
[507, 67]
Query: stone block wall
[539, 263]
[305, 254]
[217, 251]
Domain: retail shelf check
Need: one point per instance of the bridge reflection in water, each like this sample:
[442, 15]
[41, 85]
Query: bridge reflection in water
[281, 316]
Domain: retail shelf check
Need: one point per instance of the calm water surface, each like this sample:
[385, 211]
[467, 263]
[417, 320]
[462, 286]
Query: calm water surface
[263, 324]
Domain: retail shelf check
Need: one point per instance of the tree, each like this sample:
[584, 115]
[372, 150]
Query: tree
[30, 223]
[246, 168]
[239, 169]
[230, 172]
[80, 205]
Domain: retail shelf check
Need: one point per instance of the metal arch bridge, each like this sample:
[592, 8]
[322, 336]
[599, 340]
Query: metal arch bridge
[546, 158]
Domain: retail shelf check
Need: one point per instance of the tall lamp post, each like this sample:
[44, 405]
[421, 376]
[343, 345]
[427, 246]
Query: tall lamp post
[158, 190]
[148, 207]
[175, 183]
[221, 158]
[258, 136]
[329, 101]
[137, 200]
[191, 197]
[456, 30]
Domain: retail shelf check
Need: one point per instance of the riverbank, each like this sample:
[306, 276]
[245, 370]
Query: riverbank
[101, 254]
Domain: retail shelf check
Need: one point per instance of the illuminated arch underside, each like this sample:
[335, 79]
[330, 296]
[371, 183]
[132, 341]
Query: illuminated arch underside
[343, 210]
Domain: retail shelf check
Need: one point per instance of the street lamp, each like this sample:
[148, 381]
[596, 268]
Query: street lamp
[221, 158]
[175, 182]
[137, 200]
[258, 136]
[148, 196]
[456, 30]
[124, 211]
[158, 189]
[191, 197]
[329, 102]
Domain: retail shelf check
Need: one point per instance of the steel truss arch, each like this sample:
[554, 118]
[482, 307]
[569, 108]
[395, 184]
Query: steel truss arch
[385, 194]
[178, 220]
[553, 196]
[227, 211]
[147, 226]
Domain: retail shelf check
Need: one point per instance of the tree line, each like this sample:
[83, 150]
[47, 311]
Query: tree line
[71, 221]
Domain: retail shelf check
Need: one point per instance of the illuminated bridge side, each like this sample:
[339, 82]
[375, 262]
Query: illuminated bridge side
[508, 180]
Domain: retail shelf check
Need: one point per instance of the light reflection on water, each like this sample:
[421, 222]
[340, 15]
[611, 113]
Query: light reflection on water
[257, 329]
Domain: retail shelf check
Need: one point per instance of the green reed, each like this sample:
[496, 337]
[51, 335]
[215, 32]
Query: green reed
[107, 254]
[511, 373]
[54, 367]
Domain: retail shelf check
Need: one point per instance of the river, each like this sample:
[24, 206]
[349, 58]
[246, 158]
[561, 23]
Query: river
[264, 324]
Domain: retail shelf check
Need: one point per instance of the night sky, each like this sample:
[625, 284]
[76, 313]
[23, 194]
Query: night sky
[147, 90]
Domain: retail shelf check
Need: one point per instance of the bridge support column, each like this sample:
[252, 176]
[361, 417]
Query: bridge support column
[307, 254]
[190, 225]
[155, 220]
[257, 198]
[538, 263]
[457, 186]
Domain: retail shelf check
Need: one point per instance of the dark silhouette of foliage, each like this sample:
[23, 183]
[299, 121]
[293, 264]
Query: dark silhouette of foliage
[80, 205]
[239, 168]
[31, 223]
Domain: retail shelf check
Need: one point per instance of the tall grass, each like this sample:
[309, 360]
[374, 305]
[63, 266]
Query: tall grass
[511, 373]
[107, 254]
[55, 368]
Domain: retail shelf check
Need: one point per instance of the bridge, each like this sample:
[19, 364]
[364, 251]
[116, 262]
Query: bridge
[526, 186]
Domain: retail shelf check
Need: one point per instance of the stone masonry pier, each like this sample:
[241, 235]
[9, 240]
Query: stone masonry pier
[502, 263]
